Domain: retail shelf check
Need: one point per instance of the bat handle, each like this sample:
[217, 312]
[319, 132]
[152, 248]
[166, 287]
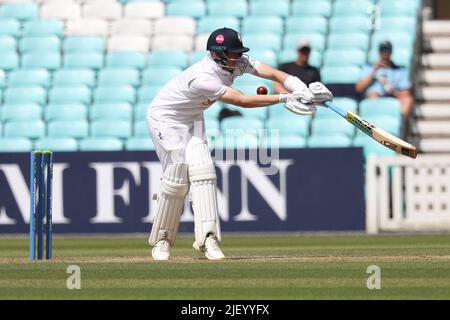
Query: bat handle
[335, 108]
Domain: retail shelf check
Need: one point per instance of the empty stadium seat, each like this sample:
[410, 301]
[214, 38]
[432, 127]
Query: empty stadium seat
[7, 44]
[288, 142]
[235, 123]
[144, 10]
[70, 94]
[74, 77]
[118, 76]
[49, 43]
[2, 79]
[399, 39]
[101, 144]
[269, 41]
[348, 40]
[159, 75]
[29, 77]
[90, 60]
[19, 11]
[15, 144]
[68, 128]
[83, 44]
[132, 27]
[269, 7]
[340, 74]
[267, 56]
[41, 59]
[139, 144]
[39, 28]
[115, 129]
[168, 58]
[140, 129]
[140, 111]
[9, 27]
[352, 8]
[200, 41]
[352, 24]
[128, 43]
[57, 112]
[195, 9]
[21, 112]
[331, 126]
[16, 95]
[115, 94]
[57, 144]
[311, 8]
[398, 23]
[175, 26]
[344, 57]
[172, 42]
[237, 8]
[254, 113]
[306, 24]
[28, 129]
[395, 8]
[118, 111]
[347, 104]
[380, 107]
[197, 56]
[329, 141]
[126, 60]
[104, 10]
[147, 93]
[292, 126]
[270, 24]
[87, 27]
[60, 10]
[209, 24]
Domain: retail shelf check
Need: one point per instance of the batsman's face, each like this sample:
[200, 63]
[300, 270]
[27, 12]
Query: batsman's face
[233, 58]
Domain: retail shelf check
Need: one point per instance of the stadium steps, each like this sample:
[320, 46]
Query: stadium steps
[436, 60]
[432, 129]
[434, 145]
[433, 111]
[435, 77]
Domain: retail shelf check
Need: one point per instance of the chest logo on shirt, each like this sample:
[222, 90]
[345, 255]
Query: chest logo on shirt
[220, 38]
[208, 103]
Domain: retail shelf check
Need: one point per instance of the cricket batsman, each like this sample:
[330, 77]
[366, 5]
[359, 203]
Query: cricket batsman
[175, 122]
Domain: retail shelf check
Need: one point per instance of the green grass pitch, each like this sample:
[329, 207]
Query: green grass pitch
[258, 267]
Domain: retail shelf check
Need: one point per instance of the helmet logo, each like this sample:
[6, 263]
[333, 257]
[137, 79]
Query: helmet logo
[220, 38]
[239, 37]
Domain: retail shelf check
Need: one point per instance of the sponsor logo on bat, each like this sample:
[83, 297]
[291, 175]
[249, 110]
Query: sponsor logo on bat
[361, 124]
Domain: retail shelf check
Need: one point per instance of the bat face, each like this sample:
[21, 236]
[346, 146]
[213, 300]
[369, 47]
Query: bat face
[383, 137]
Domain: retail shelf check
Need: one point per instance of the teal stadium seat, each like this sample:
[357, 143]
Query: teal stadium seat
[62, 112]
[17, 95]
[398, 8]
[21, 112]
[269, 24]
[140, 111]
[399, 39]
[344, 57]
[340, 74]
[329, 141]
[209, 24]
[235, 123]
[8, 43]
[213, 111]
[352, 8]
[350, 40]
[267, 56]
[72, 94]
[45, 43]
[115, 94]
[159, 75]
[311, 8]
[347, 104]
[317, 40]
[237, 8]
[83, 44]
[139, 144]
[306, 24]
[398, 23]
[126, 60]
[353, 24]
[236, 141]
[370, 146]
[294, 125]
[332, 126]
[264, 41]
[168, 58]
[117, 111]
[112, 129]
[288, 142]
[101, 144]
[38, 28]
[29, 77]
[389, 124]
[74, 77]
[9, 27]
[140, 129]
[118, 77]
[83, 60]
[251, 80]
[380, 107]
[279, 111]
[147, 93]
[57, 144]
[197, 56]
[195, 9]
[29, 129]
[269, 7]
[50, 60]
[19, 11]
[2, 79]
[68, 128]
[254, 113]
[15, 145]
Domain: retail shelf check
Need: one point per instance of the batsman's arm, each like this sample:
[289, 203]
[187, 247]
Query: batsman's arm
[237, 98]
[267, 72]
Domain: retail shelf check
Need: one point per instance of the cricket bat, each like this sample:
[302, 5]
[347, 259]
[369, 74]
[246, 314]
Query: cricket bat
[383, 137]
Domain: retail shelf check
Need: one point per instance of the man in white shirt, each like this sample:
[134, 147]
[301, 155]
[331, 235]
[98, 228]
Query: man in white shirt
[175, 123]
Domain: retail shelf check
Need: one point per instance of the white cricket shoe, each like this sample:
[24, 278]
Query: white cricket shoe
[161, 250]
[211, 248]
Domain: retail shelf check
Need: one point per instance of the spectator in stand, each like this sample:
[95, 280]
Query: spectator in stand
[385, 79]
[300, 67]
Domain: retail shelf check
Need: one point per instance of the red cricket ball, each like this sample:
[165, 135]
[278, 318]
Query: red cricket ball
[261, 90]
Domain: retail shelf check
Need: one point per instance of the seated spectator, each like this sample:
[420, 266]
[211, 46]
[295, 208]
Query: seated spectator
[385, 79]
[300, 67]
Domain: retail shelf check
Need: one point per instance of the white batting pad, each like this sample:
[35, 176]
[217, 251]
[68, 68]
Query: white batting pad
[202, 176]
[174, 187]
